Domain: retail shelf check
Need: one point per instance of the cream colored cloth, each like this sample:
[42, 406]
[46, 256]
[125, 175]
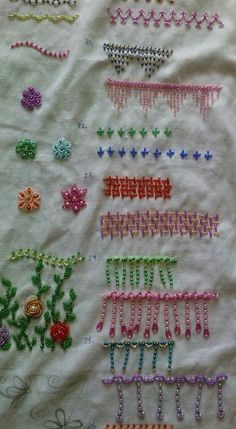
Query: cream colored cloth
[65, 387]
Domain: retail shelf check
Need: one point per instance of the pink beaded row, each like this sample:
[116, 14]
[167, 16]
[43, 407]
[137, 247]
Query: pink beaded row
[153, 301]
[153, 222]
[43, 51]
[174, 94]
[167, 18]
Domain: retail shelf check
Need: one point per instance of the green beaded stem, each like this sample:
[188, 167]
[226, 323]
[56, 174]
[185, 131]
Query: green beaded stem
[141, 357]
[124, 274]
[117, 277]
[170, 277]
[154, 358]
[127, 350]
[137, 268]
[112, 360]
[107, 271]
[170, 354]
[162, 276]
[145, 272]
[47, 259]
[131, 273]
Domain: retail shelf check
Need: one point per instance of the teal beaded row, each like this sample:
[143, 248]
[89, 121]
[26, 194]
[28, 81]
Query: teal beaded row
[142, 345]
[134, 264]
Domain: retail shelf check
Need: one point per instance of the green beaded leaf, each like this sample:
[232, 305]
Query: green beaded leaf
[5, 282]
[4, 313]
[49, 305]
[68, 306]
[121, 132]
[11, 293]
[59, 294]
[47, 317]
[68, 272]
[43, 289]
[143, 132]
[49, 343]
[73, 295]
[39, 266]
[100, 131]
[70, 317]
[67, 343]
[15, 307]
[39, 330]
[56, 316]
[6, 346]
[57, 279]
[110, 132]
[131, 132]
[155, 132]
[36, 280]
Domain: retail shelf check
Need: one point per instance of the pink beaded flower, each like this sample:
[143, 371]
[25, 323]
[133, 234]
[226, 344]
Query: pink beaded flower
[31, 98]
[74, 198]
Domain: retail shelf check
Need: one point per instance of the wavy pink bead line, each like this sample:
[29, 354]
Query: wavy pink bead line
[204, 96]
[167, 18]
[43, 51]
[152, 302]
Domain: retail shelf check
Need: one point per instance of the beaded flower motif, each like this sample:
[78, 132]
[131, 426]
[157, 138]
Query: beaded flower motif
[26, 149]
[31, 98]
[74, 198]
[33, 307]
[62, 149]
[28, 199]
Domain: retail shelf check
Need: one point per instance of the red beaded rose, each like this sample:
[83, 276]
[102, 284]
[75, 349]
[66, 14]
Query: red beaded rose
[59, 332]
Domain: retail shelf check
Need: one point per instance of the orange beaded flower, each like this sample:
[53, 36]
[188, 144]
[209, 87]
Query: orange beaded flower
[28, 199]
[33, 307]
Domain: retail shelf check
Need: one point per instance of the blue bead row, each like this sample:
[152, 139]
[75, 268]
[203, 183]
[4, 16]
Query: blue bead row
[157, 153]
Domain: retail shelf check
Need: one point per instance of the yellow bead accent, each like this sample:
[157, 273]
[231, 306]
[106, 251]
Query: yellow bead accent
[52, 18]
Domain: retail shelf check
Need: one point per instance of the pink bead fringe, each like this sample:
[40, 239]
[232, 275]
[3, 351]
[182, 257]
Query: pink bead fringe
[43, 51]
[147, 93]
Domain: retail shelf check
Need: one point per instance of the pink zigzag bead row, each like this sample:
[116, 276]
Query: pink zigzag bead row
[153, 300]
[167, 18]
[153, 222]
[204, 96]
[43, 51]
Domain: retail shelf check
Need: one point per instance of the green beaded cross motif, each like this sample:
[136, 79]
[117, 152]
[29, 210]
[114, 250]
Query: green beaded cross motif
[131, 132]
[142, 345]
[19, 323]
[127, 270]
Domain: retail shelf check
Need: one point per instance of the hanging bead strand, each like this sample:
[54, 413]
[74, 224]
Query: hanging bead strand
[155, 327]
[141, 412]
[113, 317]
[100, 324]
[132, 316]
[187, 320]
[131, 274]
[117, 277]
[137, 270]
[108, 275]
[141, 357]
[206, 332]
[127, 350]
[159, 413]
[197, 316]
[154, 358]
[151, 276]
[149, 315]
[121, 317]
[176, 317]
[112, 360]
[119, 416]
[198, 414]
[139, 318]
[170, 354]
[124, 272]
[220, 410]
[179, 412]
[166, 318]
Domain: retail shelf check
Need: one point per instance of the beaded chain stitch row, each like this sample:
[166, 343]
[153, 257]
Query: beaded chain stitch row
[148, 223]
[43, 51]
[138, 426]
[152, 302]
[54, 261]
[204, 96]
[137, 187]
[137, 266]
[159, 380]
[167, 18]
[50, 2]
[142, 345]
[39, 18]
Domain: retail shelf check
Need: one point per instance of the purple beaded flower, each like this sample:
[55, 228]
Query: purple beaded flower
[4, 335]
[31, 98]
[74, 198]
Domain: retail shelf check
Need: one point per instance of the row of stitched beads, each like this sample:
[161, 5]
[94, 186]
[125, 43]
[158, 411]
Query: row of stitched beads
[131, 132]
[145, 152]
[137, 187]
[155, 346]
[128, 269]
[27, 149]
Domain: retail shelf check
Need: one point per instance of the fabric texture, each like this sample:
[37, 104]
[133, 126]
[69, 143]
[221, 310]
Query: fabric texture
[63, 389]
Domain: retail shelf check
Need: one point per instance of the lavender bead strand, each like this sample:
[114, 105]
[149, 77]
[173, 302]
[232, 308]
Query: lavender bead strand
[220, 411]
[179, 412]
[198, 414]
[119, 416]
[159, 413]
[141, 412]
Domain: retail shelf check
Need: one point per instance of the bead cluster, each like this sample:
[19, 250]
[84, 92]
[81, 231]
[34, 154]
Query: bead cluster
[39, 18]
[145, 152]
[62, 149]
[150, 58]
[160, 380]
[151, 301]
[74, 198]
[155, 346]
[148, 223]
[137, 266]
[31, 98]
[167, 18]
[26, 149]
[131, 132]
[137, 187]
[43, 51]
[28, 199]
[204, 96]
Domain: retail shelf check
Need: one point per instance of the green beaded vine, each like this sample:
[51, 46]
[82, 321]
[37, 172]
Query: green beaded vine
[127, 270]
[142, 345]
[48, 259]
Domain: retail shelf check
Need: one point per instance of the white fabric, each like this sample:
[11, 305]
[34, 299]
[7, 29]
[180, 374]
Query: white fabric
[73, 92]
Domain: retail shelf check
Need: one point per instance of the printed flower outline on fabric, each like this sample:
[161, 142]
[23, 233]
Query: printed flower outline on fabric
[4, 335]
[31, 98]
[59, 332]
[28, 199]
[74, 198]
[62, 149]
[62, 422]
[33, 307]
[26, 148]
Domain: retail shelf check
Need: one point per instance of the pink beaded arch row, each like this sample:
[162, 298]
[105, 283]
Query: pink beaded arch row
[153, 301]
[43, 51]
[167, 18]
[180, 380]
[204, 96]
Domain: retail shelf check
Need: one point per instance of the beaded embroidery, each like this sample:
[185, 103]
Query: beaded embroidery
[46, 259]
[139, 265]
[167, 18]
[135, 426]
[26, 149]
[74, 198]
[62, 149]
[31, 98]
[152, 301]
[180, 380]
[148, 223]
[204, 96]
[137, 187]
[39, 18]
[131, 132]
[43, 51]
[21, 318]
[150, 58]
[51, 2]
[145, 152]
[143, 346]
[28, 199]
